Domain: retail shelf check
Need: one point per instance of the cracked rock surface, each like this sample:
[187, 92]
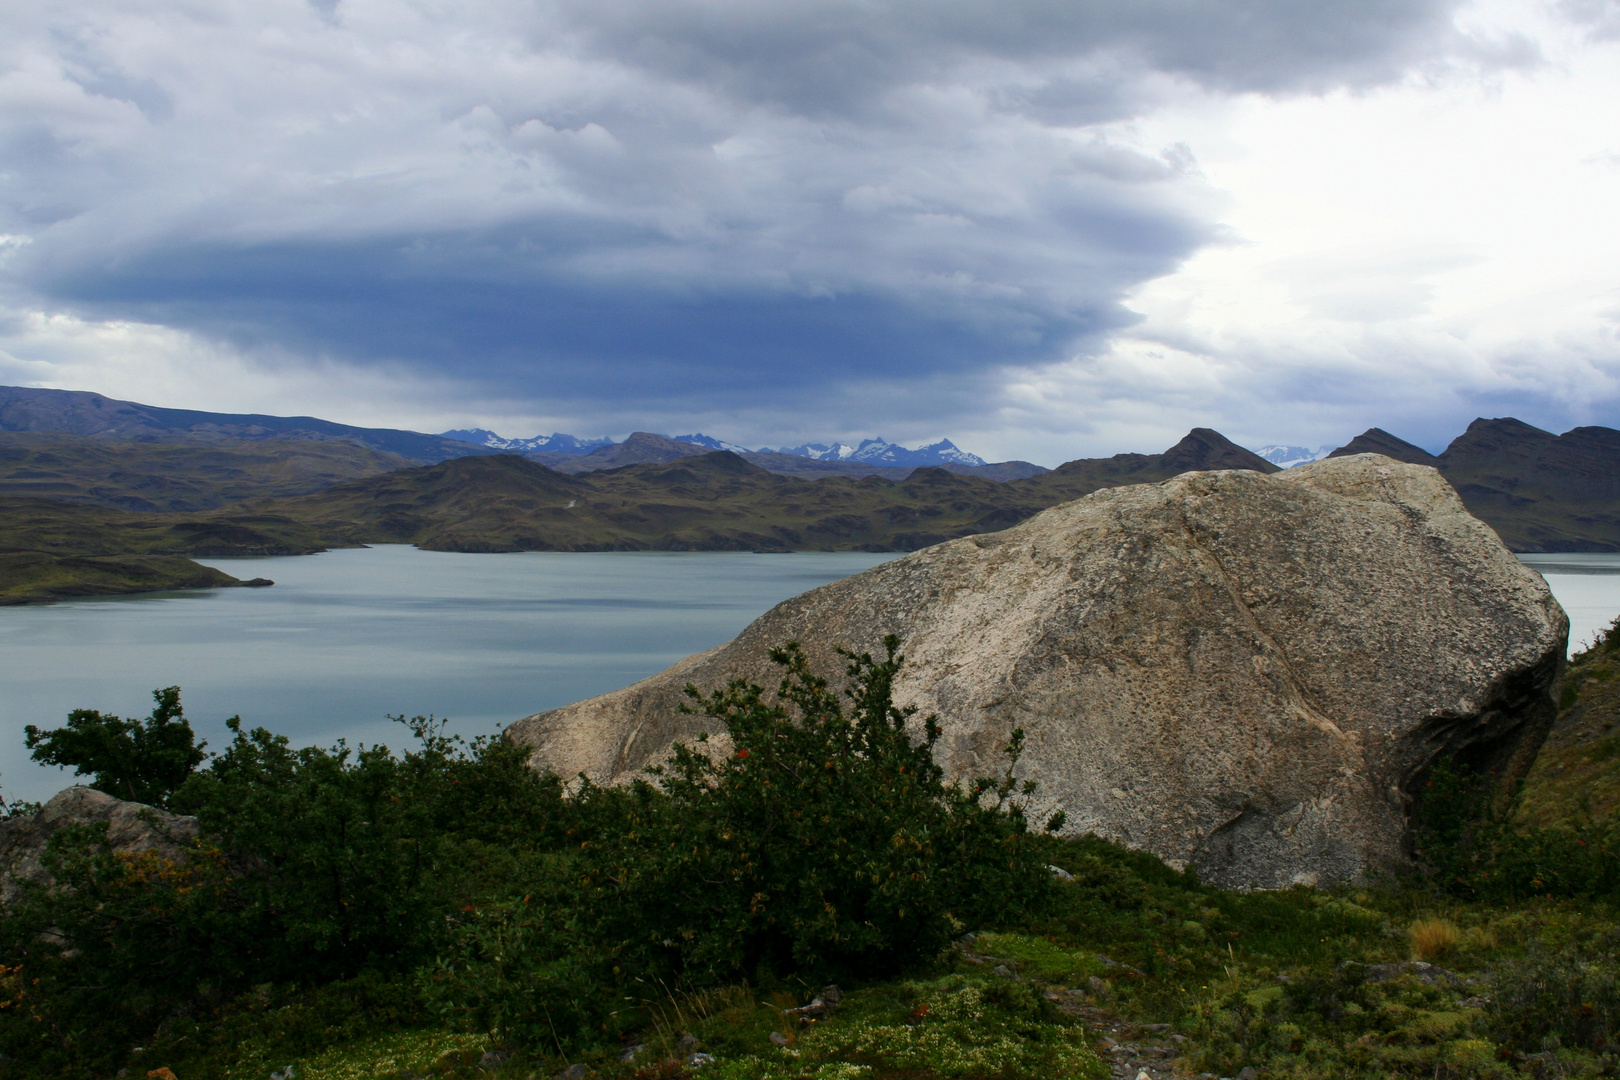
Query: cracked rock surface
[1245, 673]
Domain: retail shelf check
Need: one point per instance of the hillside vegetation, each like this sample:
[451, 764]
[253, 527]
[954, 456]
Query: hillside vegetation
[170, 477]
[709, 502]
[450, 913]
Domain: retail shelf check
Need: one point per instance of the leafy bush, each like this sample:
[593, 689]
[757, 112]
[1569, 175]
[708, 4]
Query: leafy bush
[1565, 996]
[1468, 846]
[822, 843]
[144, 761]
[314, 865]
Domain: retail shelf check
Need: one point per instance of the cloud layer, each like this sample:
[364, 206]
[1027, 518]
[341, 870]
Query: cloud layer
[775, 219]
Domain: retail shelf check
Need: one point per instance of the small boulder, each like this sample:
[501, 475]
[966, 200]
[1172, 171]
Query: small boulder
[131, 828]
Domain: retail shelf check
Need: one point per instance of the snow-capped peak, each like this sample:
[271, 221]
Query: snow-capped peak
[1287, 457]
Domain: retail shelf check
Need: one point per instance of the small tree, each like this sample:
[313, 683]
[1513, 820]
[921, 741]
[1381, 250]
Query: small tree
[144, 761]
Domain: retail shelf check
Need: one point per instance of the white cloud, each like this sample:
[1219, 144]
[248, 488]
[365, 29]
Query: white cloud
[919, 216]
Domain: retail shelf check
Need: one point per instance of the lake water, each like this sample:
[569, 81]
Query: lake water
[1587, 585]
[346, 637]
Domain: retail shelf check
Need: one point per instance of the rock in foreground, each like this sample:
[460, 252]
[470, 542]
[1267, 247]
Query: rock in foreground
[131, 828]
[1242, 672]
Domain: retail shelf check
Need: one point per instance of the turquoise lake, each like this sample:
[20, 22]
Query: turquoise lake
[346, 637]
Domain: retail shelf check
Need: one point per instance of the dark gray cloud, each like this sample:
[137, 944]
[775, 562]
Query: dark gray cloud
[640, 203]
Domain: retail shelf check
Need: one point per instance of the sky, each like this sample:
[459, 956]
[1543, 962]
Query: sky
[1045, 229]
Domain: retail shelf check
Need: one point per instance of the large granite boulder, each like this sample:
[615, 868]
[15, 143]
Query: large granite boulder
[1247, 673]
[131, 828]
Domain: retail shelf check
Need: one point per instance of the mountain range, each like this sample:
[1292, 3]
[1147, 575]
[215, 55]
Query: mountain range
[83, 476]
[878, 451]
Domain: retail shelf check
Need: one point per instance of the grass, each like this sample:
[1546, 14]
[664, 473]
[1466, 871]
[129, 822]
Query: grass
[32, 576]
[1434, 939]
[1301, 983]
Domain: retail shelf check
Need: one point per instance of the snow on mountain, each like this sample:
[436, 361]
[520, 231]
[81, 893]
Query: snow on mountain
[1287, 457]
[712, 443]
[880, 451]
[558, 443]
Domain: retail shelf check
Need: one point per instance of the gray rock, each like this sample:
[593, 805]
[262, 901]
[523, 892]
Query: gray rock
[131, 828]
[697, 1061]
[1001, 971]
[575, 1071]
[1060, 873]
[1249, 1073]
[1246, 673]
[494, 1059]
[778, 1039]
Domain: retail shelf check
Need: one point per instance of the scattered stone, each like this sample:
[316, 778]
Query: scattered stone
[688, 1044]
[1060, 873]
[697, 1061]
[778, 1038]
[1426, 973]
[823, 1004]
[575, 1071]
[1001, 971]
[279, 1074]
[629, 1053]
[1262, 667]
[1249, 1073]
[1155, 1027]
[494, 1059]
[1095, 984]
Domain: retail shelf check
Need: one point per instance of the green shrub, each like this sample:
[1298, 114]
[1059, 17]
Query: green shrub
[1552, 997]
[313, 865]
[144, 761]
[1468, 847]
[822, 843]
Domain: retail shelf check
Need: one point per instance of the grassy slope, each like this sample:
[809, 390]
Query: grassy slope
[32, 576]
[178, 476]
[1133, 955]
[52, 549]
[1575, 781]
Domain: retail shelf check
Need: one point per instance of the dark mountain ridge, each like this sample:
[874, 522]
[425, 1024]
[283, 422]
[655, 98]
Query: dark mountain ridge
[79, 412]
[1539, 491]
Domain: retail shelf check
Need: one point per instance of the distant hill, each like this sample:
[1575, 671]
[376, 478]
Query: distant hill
[179, 476]
[1539, 491]
[1379, 441]
[77, 412]
[714, 501]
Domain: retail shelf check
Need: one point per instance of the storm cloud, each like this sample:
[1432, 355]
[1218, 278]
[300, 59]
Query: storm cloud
[599, 211]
